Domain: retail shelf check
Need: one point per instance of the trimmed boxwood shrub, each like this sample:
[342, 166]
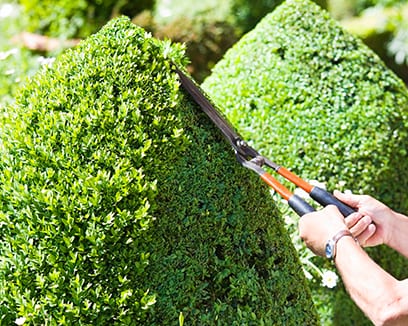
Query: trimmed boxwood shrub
[318, 101]
[121, 203]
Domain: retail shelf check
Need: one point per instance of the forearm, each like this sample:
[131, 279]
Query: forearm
[375, 291]
[398, 233]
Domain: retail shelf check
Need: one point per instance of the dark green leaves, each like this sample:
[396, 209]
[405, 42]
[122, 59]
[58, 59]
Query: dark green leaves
[121, 204]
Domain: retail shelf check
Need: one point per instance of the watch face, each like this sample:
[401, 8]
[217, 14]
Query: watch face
[329, 249]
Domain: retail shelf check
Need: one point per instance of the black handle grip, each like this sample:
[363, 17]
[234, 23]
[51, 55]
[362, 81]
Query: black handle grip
[300, 206]
[325, 198]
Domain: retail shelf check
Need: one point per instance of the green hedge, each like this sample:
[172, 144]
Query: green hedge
[318, 101]
[121, 204]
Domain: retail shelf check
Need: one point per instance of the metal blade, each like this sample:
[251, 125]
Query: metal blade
[242, 149]
[209, 109]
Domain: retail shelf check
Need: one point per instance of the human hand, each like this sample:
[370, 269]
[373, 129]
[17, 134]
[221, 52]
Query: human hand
[363, 229]
[317, 227]
[368, 210]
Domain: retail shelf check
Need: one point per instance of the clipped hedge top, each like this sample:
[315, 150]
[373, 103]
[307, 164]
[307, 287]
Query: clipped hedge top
[120, 202]
[316, 100]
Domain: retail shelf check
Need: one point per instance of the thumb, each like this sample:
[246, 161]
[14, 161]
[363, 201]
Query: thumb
[349, 199]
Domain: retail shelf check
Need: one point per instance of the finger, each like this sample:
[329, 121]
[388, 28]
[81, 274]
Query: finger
[352, 219]
[364, 238]
[350, 199]
[361, 226]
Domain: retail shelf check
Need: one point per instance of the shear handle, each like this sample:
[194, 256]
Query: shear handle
[320, 195]
[300, 206]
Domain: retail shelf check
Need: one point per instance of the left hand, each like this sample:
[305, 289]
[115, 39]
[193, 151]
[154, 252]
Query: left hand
[318, 227]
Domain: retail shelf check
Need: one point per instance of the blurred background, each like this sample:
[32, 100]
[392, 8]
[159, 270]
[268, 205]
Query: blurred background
[34, 31]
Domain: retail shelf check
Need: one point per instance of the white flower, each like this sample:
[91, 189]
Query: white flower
[329, 279]
[398, 46]
[20, 321]
[341, 183]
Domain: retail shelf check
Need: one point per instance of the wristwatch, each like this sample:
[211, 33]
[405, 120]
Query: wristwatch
[332, 243]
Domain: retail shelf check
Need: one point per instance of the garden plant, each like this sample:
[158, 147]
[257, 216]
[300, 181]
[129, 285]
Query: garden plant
[310, 97]
[318, 101]
[121, 203]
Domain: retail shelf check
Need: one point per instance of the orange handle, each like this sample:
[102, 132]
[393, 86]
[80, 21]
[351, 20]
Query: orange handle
[276, 185]
[300, 206]
[295, 179]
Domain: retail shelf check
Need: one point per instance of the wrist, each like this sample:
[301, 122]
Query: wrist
[331, 244]
[395, 231]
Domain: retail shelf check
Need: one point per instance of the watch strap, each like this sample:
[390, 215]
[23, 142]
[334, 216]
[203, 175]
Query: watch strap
[341, 234]
[331, 246]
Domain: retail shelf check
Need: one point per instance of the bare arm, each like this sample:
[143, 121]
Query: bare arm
[398, 234]
[379, 295]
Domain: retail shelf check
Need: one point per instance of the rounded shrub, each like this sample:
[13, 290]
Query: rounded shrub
[121, 203]
[316, 100]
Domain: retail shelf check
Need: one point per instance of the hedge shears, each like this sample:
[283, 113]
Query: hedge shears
[250, 158]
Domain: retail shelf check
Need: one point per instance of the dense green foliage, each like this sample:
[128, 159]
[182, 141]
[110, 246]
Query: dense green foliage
[76, 18]
[318, 101]
[120, 202]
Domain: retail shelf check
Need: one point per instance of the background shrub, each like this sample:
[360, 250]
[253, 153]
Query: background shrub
[76, 18]
[120, 202]
[316, 100]
[208, 28]
[382, 25]
[242, 14]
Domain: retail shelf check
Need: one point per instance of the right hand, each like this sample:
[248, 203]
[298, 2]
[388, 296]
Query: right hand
[370, 222]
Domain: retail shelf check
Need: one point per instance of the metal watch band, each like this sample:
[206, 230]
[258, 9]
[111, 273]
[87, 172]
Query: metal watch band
[341, 234]
[332, 243]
